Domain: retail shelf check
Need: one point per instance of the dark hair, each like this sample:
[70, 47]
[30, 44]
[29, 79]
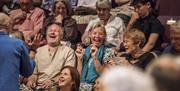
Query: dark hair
[66, 3]
[75, 77]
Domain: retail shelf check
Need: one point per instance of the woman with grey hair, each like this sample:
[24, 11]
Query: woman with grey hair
[114, 25]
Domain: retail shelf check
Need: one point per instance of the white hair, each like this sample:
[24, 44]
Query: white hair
[127, 79]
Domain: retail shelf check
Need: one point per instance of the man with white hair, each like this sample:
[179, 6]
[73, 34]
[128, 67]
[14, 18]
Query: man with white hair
[174, 47]
[126, 79]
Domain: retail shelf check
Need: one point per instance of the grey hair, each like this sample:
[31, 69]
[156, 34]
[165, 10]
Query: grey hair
[103, 4]
[127, 79]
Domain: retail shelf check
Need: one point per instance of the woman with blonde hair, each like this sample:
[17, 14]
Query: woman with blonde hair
[134, 41]
[91, 60]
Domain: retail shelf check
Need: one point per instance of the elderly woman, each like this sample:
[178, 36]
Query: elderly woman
[62, 12]
[114, 25]
[133, 42]
[50, 59]
[91, 60]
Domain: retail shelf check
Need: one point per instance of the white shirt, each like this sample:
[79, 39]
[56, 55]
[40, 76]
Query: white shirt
[114, 30]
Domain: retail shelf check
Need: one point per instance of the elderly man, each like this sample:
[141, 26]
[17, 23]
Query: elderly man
[114, 25]
[14, 59]
[174, 47]
[50, 59]
[28, 19]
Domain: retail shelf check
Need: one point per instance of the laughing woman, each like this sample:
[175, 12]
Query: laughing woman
[133, 42]
[69, 79]
[92, 59]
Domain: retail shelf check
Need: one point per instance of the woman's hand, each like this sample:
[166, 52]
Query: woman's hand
[93, 51]
[46, 84]
[79, 51]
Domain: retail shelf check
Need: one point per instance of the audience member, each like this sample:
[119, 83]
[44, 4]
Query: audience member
[98, 85]
[123, 10]
[174, 47]
[14, 58]
[62, 12]
[166, 72]
[28, 19]
[133, 42]
[127, 79]
[144, 19]
[50, 59]
[69, 79]
[114, 25]
[91, 60]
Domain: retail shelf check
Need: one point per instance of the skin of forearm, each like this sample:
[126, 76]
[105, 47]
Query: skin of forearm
[98, 65]
[148, 47]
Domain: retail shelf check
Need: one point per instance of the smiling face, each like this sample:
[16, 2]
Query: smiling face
[98, 85]
[65, 79]
[60, 8]
[97, 36]
[129, 45]
[54, 34]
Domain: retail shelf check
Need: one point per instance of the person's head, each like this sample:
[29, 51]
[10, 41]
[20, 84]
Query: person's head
[133, 40]
[62, 7]
[142, 7]
[126, 79]
[97, 34]
[69, 78]
[97, 85]
[175, 35]
[103, 8]
[17, 34]
[26, 5]
[121, 2]
[4, 22]
[166, 72]
[54, 34]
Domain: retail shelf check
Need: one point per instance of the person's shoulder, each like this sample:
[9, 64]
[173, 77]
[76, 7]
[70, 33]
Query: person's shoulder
[39, 10]
[66, 48]
[42, 48]
[14, 12]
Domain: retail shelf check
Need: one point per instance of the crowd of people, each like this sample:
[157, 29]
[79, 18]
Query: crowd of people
[122, 49]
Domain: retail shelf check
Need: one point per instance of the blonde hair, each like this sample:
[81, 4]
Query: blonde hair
[135, 35]
[97, 25]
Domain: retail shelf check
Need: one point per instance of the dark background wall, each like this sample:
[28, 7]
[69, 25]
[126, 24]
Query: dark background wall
[170, 7]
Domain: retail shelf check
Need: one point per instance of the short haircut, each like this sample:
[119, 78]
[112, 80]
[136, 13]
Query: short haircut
[135, 35]
[103, 4]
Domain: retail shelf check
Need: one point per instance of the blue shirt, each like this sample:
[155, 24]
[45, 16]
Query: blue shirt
[14, 60]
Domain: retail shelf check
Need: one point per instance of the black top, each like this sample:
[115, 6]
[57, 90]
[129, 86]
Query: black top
[148, 25]
[143, 60]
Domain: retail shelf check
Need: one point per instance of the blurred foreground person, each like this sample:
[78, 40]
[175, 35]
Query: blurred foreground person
[166, 72]
[14, 59]
[126, 79]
